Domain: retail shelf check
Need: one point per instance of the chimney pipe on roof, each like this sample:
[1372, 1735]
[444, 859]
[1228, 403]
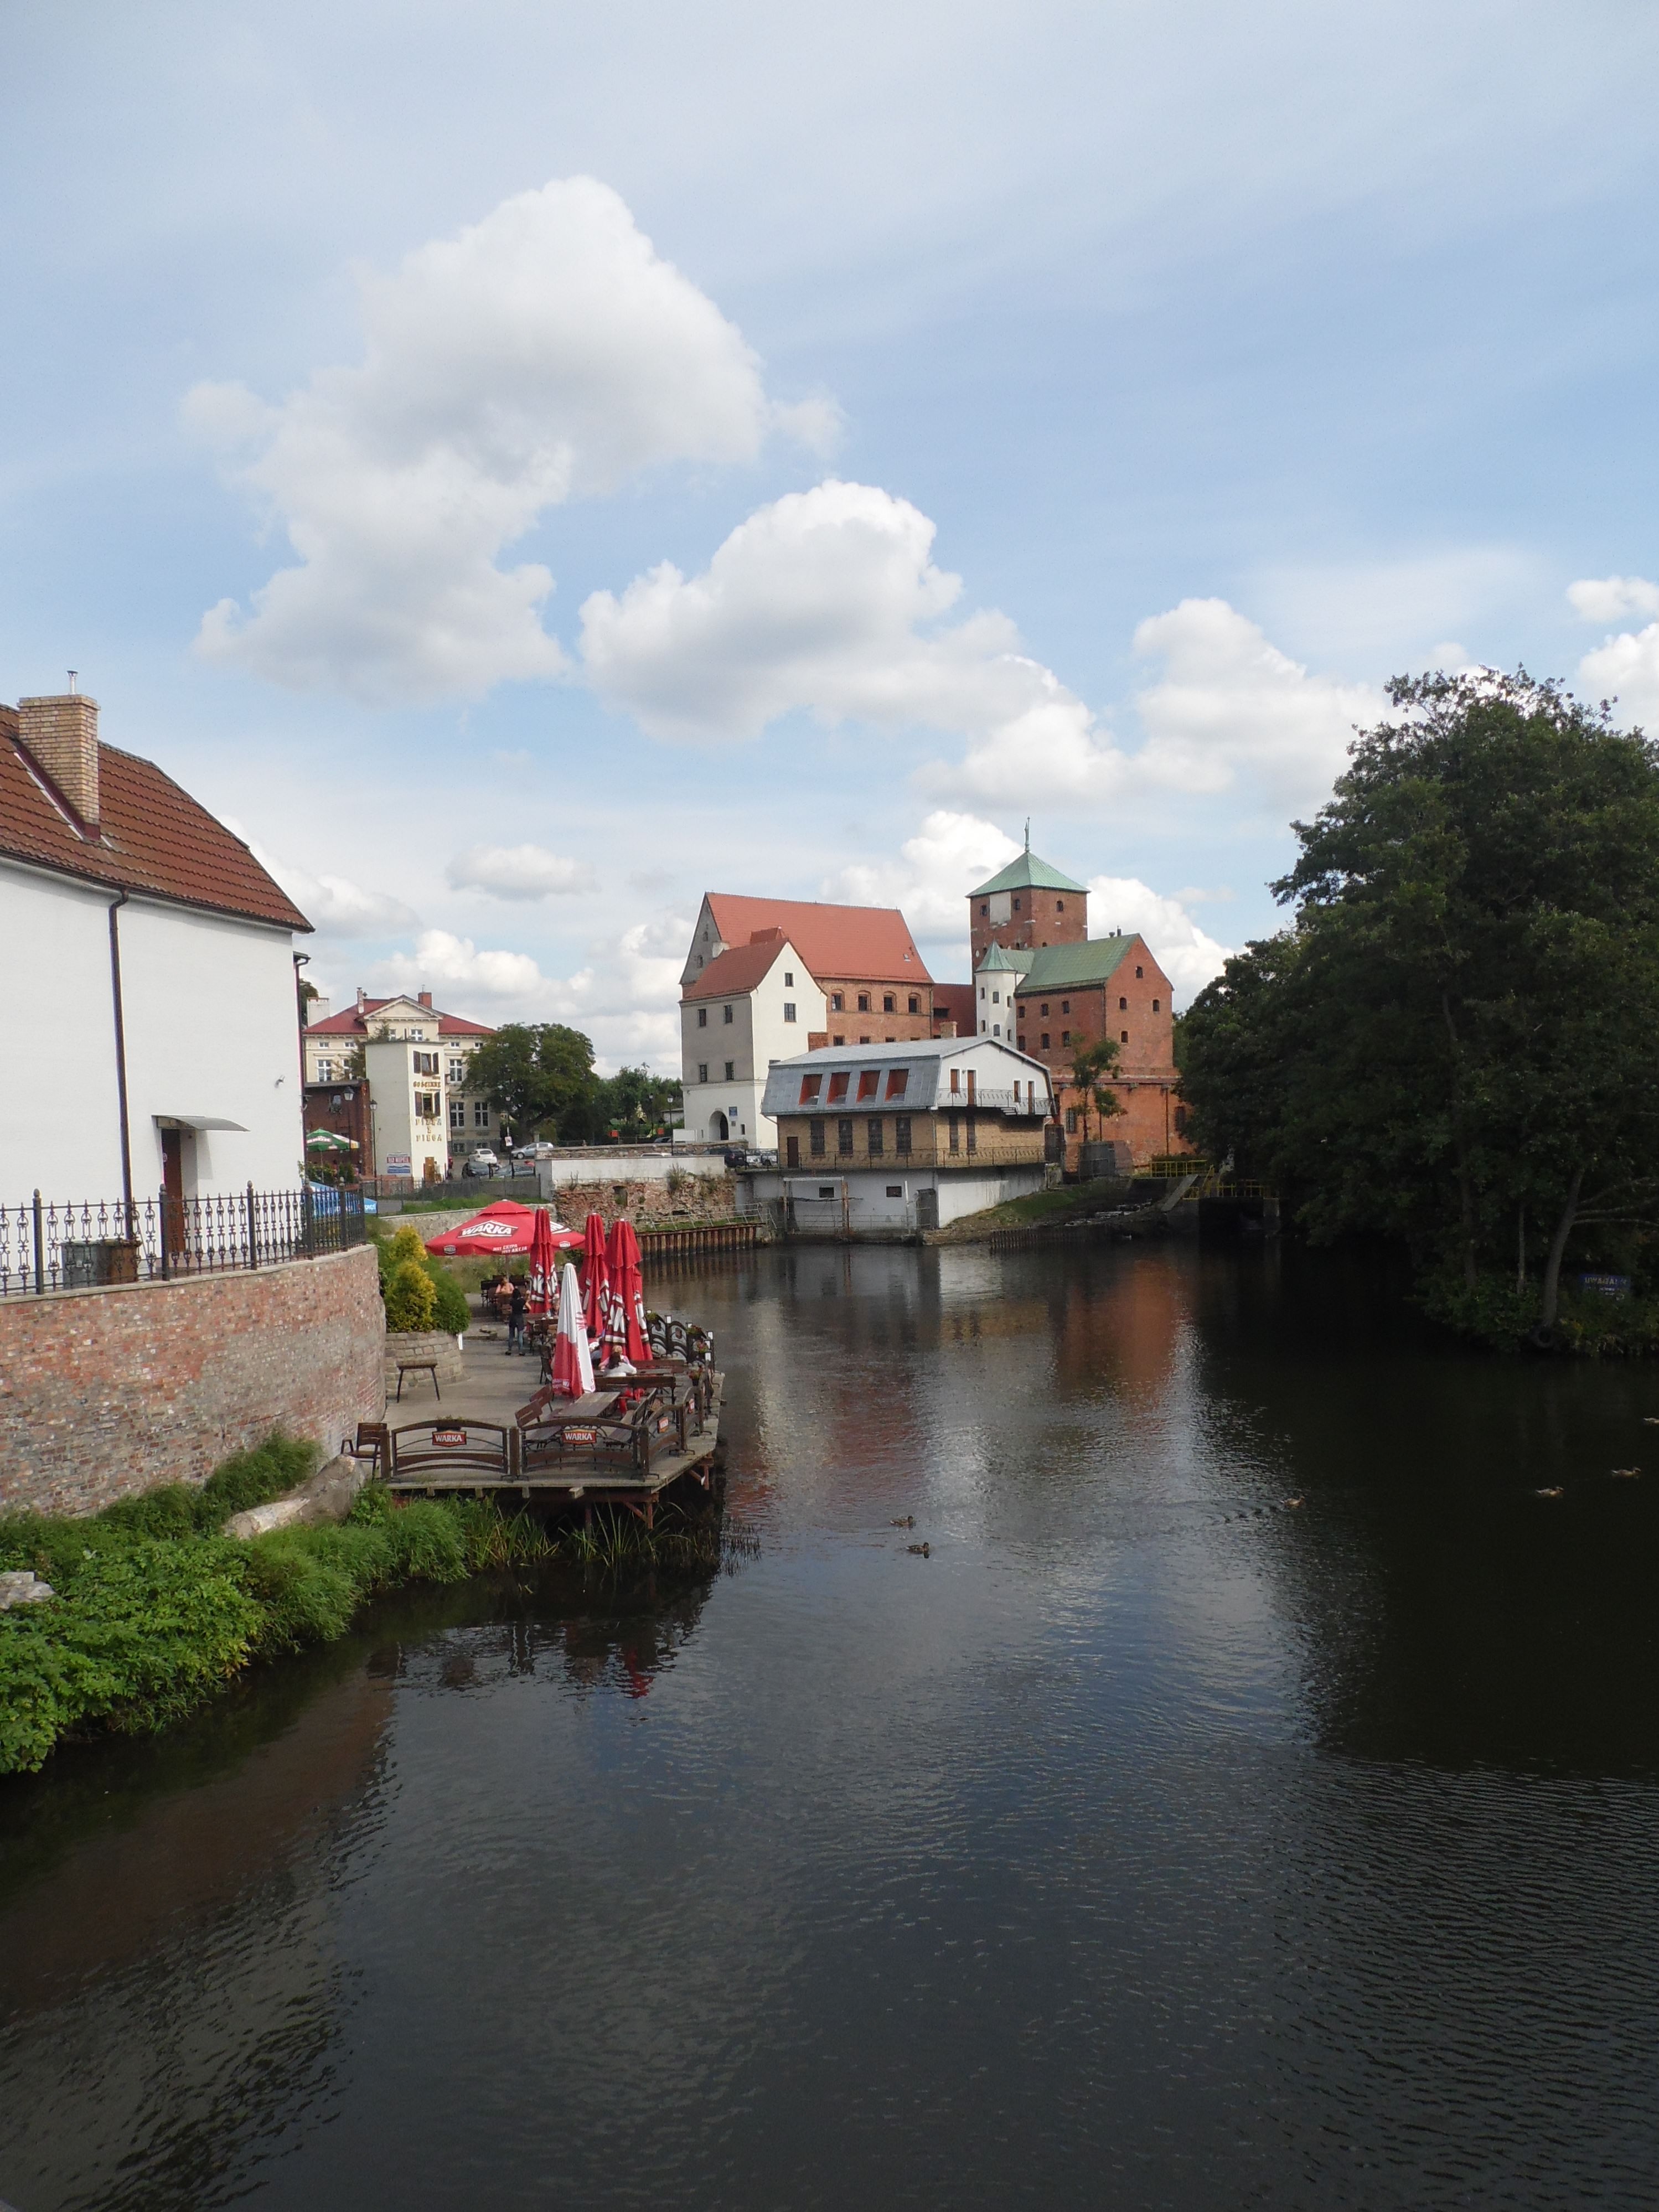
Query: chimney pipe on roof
[61, 733]
[424, 999]
[362, 998]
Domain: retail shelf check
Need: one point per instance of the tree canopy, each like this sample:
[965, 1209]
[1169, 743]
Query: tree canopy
[539, 1075]
[1456, 1036]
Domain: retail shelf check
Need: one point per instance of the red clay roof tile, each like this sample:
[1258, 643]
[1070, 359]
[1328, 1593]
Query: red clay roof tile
[868, 943]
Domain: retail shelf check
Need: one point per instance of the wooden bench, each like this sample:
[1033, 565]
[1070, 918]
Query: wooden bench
[443, 1448]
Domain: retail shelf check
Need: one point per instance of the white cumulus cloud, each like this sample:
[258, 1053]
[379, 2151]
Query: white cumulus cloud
[1188, 955]
[333, 904]
[1611, 598]
[932, 876]
[518, 871]
[545, 353]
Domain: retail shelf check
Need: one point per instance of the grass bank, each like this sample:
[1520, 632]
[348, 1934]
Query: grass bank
[155, 1610]
[1050, 1206]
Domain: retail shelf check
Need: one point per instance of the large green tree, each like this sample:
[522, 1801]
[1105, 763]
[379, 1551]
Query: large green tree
[539, 1075]
[1458, 1035]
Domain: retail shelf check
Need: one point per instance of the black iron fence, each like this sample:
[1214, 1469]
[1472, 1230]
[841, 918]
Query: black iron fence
[53, 1244]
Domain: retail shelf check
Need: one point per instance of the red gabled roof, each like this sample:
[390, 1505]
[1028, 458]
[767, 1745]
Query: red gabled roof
[870, 943]
[354, 1021]
[729, 974]
[152, 836]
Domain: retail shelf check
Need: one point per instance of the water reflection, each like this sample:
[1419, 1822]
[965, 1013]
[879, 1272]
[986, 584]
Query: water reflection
[1155, 1839]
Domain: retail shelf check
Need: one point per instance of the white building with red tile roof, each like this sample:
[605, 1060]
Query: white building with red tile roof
[855, 977]
[416, 1057]
[122, 900]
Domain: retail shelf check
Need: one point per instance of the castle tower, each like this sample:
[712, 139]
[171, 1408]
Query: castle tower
[1025, 905]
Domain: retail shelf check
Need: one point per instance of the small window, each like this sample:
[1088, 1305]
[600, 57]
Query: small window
[844, 1137]
[1156, 1009]
[838, 1087]
[838, 1040]
[985, 909]
[837, 1002]
[915, 1004]
[955, 1079]
[1059, 906]
[868, 1079]
[898, 1082]
[1180, 1121]
[826, 1190]
[703, 1017]
[996, 1029]
[1066, 1037]
[875, 1137]
[1071, 1121]
[702, 1071]
[789, 1010]
[996, 998]
[895, 1190]
[1015, 903]
[1139, 972]
[457, 1071]
[791, 1149]
[889, 1003]
[1021, 1042]
[815, 1139]
[953, 1124]
[731, 1071]
[864, 1002]
[901, 1132]
[1065, 1006]
[1045, 1040]
[981, 990]
[809, 1087]
[725, 1013]
[788, 979]
[458, 1113]
[1043, 1010]
[1123, 1036]
[481, 1112]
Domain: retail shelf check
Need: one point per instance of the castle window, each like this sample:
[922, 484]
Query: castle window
[1180, 1121]
[838, 1040]
[788, 979]
[1156, 1007]
[703, 1017]
[996, 998]
[837, 1002]
[985, 910]
[1071, 1121]
[731, 1071]
[1043, 1010]
[889, 1003]
[1139, 972]
[1123, 1006]
[1065, 1006]
[789, 1010]
[1016, 905]
[1059, 906]
[864, 1002]
[1066, 1037]
[702, 1071]
[725, 1013]
[915, 1004]
[1045, 1040]
[1123, 1036]
[1020, 1041]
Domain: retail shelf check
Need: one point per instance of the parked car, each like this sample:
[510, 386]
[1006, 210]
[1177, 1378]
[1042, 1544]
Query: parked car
[481, 1162]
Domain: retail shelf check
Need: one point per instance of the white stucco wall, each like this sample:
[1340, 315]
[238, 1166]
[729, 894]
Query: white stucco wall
[211, 1030]
[884, 1203]
[757, 1035]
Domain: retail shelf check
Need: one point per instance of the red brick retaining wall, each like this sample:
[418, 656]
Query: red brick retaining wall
[104, 1392]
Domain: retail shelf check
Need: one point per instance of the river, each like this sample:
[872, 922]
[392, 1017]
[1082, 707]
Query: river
[1154, 1841]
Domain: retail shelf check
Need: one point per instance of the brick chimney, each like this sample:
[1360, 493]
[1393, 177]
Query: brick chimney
[424, 998]
[362, 998]
[61, 733]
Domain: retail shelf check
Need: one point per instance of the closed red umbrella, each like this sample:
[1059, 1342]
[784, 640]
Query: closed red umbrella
[544, 1264]
[573, 1364]
[596, 1277]
[628, 1293]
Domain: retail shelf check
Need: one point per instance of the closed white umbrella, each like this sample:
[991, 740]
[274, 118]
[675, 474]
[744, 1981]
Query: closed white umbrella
[573, 1363]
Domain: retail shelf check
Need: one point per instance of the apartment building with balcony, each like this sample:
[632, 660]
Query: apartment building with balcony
[888, 1140]
[415, 1058]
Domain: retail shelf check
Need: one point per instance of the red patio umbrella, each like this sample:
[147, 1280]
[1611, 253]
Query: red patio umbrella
[545, 1262]
[627, 1293]
[500, 1232]
[596, 1277]
[573, 1364]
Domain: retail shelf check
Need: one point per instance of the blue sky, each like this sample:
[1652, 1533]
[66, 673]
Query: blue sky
[525, 466]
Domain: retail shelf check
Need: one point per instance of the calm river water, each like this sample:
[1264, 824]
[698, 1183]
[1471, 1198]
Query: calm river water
[1154, 1842]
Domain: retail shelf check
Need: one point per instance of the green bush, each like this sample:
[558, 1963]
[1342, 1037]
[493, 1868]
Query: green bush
[449, 1311]
[412, 1299]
